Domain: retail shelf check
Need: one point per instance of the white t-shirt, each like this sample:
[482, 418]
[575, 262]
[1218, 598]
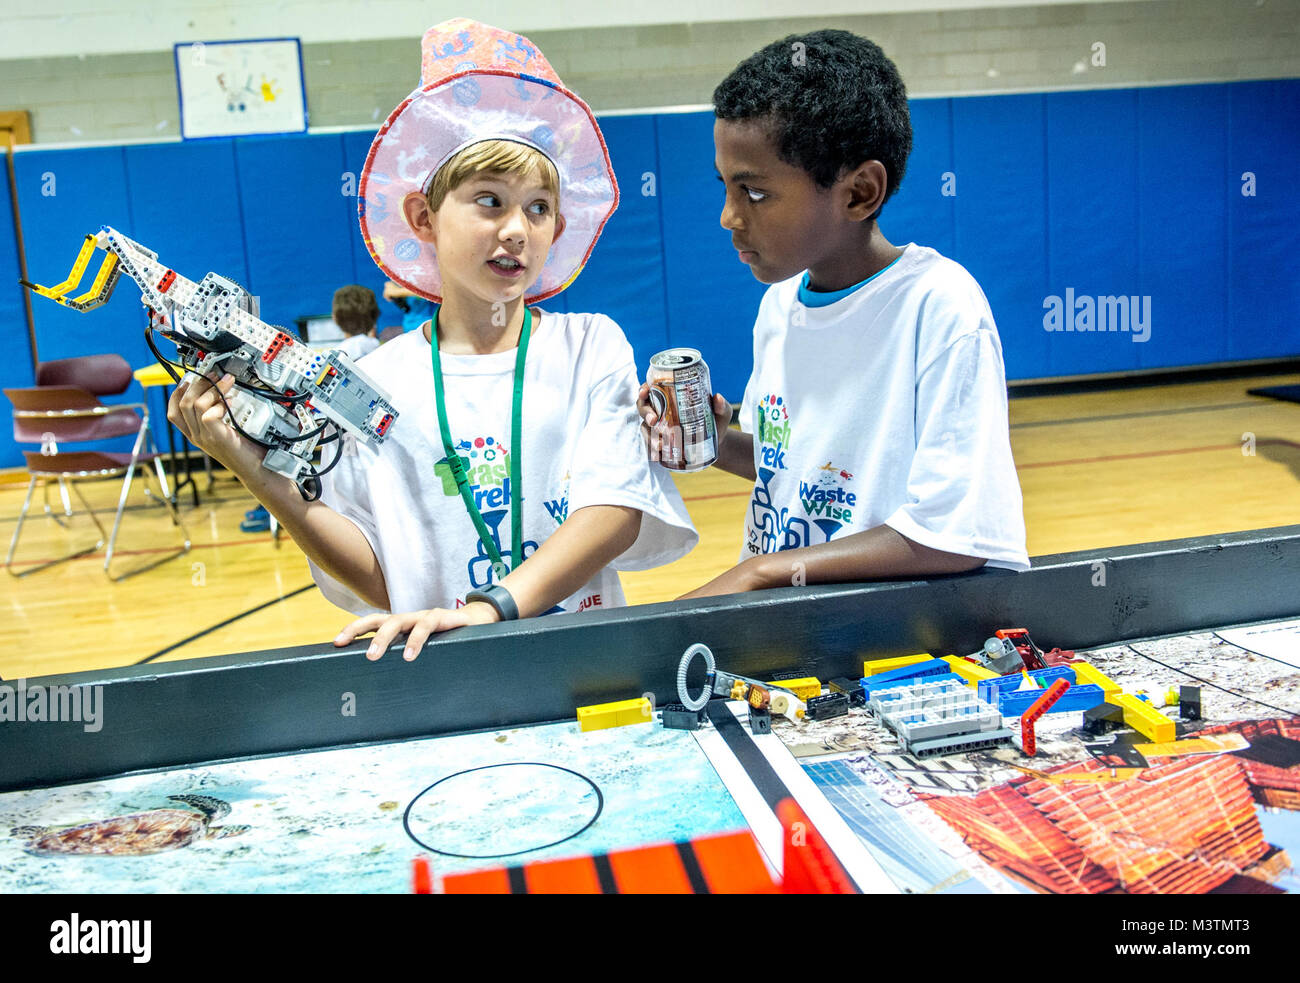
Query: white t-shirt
[888, 406]
[582, 446]
[354, 346]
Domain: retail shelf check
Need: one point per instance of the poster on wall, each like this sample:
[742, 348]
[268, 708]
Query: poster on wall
[236, 88]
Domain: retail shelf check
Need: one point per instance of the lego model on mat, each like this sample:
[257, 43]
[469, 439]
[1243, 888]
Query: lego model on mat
[216, 328]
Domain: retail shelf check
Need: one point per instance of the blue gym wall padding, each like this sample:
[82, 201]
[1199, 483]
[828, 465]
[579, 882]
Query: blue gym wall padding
[1092, 223]
[1001, 217]
[1182, 139]
[1264, 228]
[1120, 191]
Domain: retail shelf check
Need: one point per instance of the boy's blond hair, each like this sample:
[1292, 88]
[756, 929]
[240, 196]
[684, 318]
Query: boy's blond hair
[497, 157]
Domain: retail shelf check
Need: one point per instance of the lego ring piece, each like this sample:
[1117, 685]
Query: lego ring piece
[710, 666]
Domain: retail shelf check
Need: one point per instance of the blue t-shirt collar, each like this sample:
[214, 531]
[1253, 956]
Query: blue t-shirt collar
[817, 298]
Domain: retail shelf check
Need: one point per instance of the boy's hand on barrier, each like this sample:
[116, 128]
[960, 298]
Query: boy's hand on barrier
[416, 625]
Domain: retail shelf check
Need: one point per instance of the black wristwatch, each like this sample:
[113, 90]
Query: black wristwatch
[499, 598]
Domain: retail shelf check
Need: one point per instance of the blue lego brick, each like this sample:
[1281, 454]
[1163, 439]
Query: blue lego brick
[1082, 697]
[896, 677]
[990, 689]
[870, 691]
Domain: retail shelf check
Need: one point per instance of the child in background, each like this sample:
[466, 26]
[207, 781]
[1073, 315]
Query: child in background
[874, 425]
[355, 312]
[484, 191]
[415, 309]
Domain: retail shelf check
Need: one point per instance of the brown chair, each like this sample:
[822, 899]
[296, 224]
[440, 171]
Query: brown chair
[63, 408]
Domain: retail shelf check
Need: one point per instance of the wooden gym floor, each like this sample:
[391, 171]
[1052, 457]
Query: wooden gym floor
[1097, 469]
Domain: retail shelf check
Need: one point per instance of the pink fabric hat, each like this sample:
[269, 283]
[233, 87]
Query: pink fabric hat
[482, 83]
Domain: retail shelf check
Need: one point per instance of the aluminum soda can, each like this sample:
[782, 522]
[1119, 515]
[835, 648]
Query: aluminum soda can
[681, 394]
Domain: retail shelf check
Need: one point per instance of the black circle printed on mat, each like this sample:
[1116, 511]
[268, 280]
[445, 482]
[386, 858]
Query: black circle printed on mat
[600, 805]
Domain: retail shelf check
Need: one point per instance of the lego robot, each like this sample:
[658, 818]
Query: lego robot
[280, 384]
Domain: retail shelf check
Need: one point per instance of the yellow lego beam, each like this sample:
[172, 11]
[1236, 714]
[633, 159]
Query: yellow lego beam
[1144, 718]
[1085, 672]
[100, 289]
[873, 666]
[602, 716]
[74, 277]
[805, 688]
[969, 671]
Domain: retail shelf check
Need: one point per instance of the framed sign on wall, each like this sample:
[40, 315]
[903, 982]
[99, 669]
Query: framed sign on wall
[235, 88]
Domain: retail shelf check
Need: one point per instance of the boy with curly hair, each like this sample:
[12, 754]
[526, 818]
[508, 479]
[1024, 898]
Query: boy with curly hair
[874, 425]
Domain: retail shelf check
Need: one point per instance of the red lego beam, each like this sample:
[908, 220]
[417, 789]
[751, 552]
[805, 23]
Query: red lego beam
[1039, 707]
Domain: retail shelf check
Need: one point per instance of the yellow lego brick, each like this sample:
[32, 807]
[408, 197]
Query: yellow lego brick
[969, 671]
[605, 715]
[873, 666]
[805, 688]
[1085, 672]
[1145, 718]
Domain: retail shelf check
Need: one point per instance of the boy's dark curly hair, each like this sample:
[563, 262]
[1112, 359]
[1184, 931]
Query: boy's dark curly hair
[831, 104]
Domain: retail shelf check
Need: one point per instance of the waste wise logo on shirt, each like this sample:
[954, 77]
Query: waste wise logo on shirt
[775, 522]
[825, 499]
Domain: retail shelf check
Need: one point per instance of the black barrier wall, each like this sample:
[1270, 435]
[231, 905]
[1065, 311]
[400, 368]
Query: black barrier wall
[540, 670]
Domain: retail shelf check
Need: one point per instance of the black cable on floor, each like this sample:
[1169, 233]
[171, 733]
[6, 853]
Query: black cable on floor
[229, 621]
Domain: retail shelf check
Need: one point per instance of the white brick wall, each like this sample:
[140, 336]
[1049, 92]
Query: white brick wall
[133, 96]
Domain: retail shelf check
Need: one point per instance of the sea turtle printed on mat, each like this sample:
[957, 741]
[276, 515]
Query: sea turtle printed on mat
[136, 835]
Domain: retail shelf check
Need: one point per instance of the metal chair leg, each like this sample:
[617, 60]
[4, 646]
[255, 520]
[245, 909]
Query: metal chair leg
[165, 499]
[13, 543]
[63, 494]
[121, 499]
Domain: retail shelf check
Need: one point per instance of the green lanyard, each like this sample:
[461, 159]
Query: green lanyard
[516, 453]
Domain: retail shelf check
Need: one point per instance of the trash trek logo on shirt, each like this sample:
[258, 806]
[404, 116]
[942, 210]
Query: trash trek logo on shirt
[772, 529]
[487, 465]
[772, 431]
